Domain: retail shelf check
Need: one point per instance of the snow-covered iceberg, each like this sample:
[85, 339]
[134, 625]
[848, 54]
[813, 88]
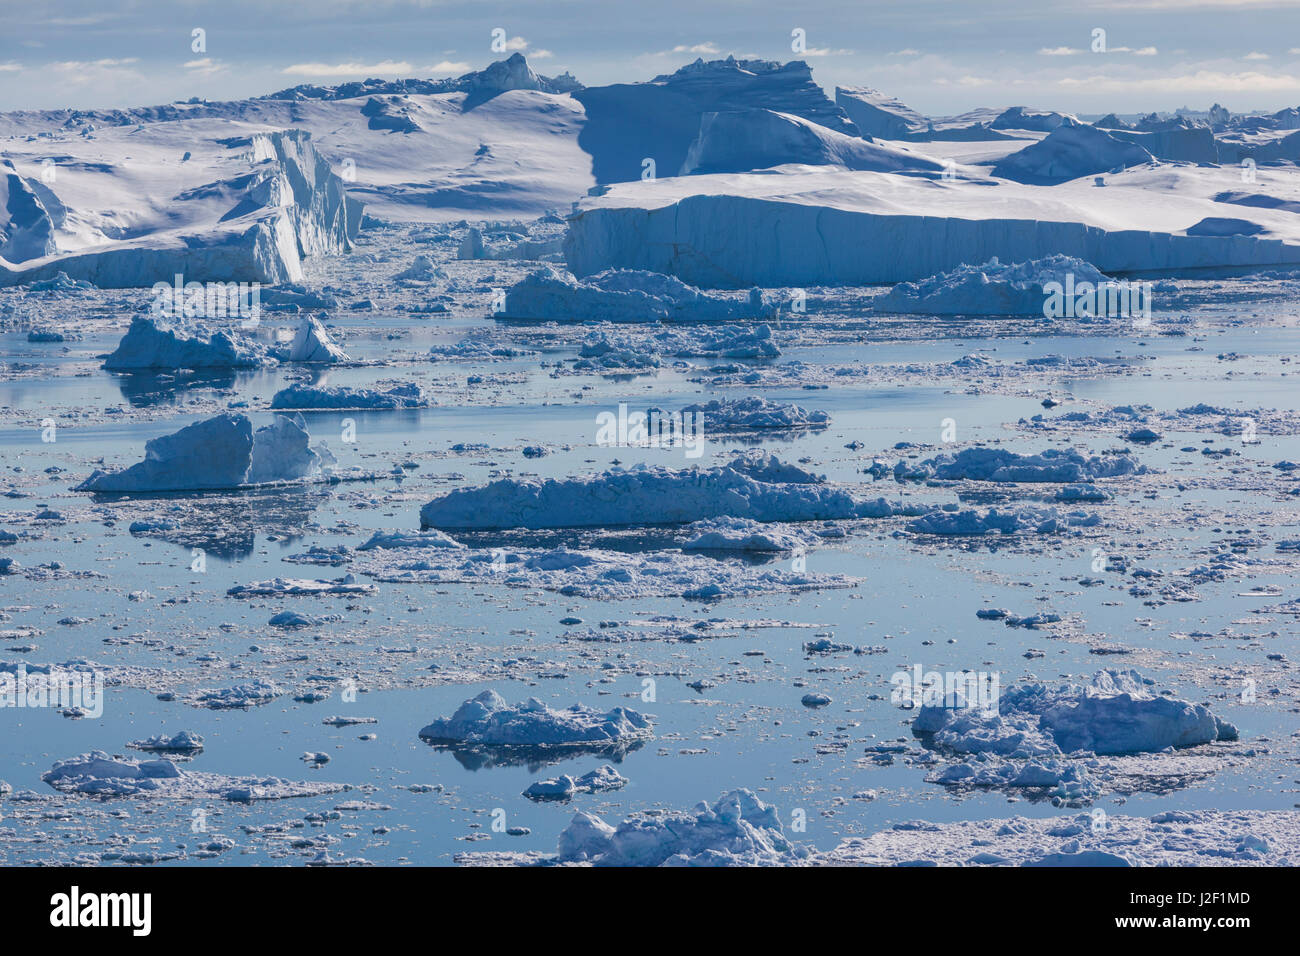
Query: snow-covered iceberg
[100, 775]
[151, 345]
[312, 344]
[400, 395]
[641, 495]
[487, 721]
[739, 141]
[1053, 465]
[994, 288]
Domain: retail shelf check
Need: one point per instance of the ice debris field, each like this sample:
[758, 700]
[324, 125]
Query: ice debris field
[864, 488]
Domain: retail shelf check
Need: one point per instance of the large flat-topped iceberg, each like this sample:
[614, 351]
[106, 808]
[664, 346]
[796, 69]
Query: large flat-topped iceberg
[803, 226]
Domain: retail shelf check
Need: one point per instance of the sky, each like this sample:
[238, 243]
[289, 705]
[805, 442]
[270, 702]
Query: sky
[941, 57]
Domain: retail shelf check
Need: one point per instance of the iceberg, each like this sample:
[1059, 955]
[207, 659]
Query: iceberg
[993, 288]
[743, 140]
[403, 395]
[638, 496]
[150, 345]
[1054, 465]
[312, 345]
[622, 295]
[487, 720]
[218, 453]
[877, 114]
[1068, 152]
[101, 775]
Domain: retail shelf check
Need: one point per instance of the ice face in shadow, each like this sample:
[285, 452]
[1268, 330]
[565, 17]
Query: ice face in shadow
[1068, 152]
[740, 141]
[221, 452]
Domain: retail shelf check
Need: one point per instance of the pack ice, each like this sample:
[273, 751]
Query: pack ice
[218, 453]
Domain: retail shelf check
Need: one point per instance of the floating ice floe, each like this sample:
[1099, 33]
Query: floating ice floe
[404, 395]
[754, 413]
[596, 573]
[429, 538]
[240, 696]
[623, 295]
[1039, 736]
[220, 453]
[1177, 838]
[601, 780]
[737, 534]
[1018, 521]
[1055, 465]
[993, 288]
[641, 495]
[302, 587]
[487, 721]
[101, 775]
[633, 349]
[184, 742]
[150, 345]
[738, 830]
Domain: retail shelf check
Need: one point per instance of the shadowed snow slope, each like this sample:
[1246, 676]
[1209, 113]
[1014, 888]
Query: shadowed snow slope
[757, 139]
[840, 227]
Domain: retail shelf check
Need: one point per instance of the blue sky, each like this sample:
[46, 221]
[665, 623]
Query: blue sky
[939, 56]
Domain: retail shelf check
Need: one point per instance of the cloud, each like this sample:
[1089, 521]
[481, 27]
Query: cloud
[708, 48]
[1213, 81]
[107, 63]
[348, 69]
[1146, 51]
[205, 66]
[449, 68]
[824, 51]
[540, 54]
[1059, 51]
[517, 44]
[907, 51]
[1255, 55]
[11, 67]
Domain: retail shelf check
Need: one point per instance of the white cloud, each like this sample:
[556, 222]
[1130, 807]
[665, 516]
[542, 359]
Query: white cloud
[1213, 81]
[205, 66]
[517, 44]
[824, 51]
[348, 69]
[1255, 55]
[446, 67]
[907, 51]
[1146, 51]
[1059, 51]
[540, 54]
[104, 64]
[708, 48]
[11, 67]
